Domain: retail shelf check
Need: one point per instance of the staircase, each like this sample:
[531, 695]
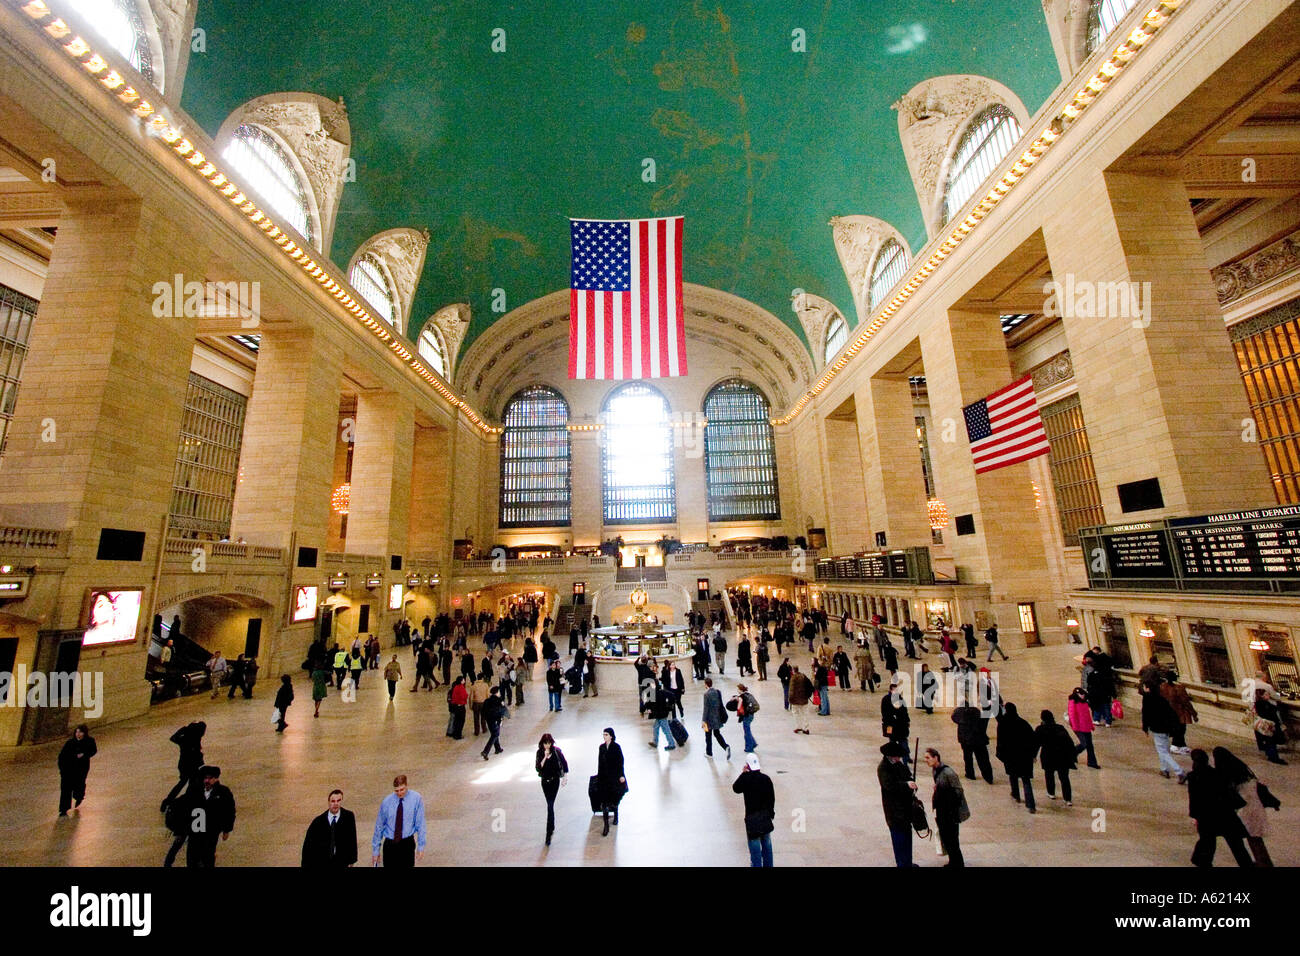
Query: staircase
[708, 607]
[568, 615]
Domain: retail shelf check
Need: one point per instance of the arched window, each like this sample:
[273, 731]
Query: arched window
[263, 166]
[433, 352]
[739, 454]
[982, 147]
[837, 333]
[368, 279]
[637, 457]
[119, 22]
[535, 460]
[891, 263]
[1103, 17]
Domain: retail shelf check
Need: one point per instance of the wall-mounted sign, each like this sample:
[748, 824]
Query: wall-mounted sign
[112, 616]
[338, 582]
[374, 580]
[304, 603]
[414, 581]
[12, 588]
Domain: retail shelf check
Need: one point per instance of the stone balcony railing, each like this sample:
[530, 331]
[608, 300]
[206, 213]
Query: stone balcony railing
[705, 558]
[576, 562]
[32, 541]
[231, 551]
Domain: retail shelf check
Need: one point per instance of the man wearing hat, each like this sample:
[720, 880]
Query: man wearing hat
[211, 815]
[896, 793]
[760, 810]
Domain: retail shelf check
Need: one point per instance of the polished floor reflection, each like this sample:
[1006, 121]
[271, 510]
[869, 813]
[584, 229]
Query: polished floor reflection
[680, 809]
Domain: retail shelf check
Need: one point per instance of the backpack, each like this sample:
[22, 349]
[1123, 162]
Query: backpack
[751, 705]
[719, 643]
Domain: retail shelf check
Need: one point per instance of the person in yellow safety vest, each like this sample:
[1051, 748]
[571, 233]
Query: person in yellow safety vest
[340, 665]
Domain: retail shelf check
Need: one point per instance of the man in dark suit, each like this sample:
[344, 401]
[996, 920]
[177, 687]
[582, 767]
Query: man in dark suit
[332, 837]
[211, 813]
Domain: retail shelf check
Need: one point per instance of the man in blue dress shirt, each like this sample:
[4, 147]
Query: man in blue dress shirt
[399, 828]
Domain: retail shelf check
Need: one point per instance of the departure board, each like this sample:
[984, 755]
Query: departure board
[1244, 550]
[1265, 542]
[904, 566]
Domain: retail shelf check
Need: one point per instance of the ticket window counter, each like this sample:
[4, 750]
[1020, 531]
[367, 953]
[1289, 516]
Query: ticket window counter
[938, 614]
[1159, 641]
[1272, 649]
[1115, 640]
[1210, 651]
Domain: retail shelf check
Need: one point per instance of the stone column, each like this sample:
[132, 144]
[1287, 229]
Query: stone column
[430, 492]
[891, 462]
[1159, 384]
[965, 358]
[585, 495]
[378, 521]
[848, 527]
[290, 434]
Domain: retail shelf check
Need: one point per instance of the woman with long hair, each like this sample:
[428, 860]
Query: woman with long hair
[1252, 815]
[553, 769]
[611, 783]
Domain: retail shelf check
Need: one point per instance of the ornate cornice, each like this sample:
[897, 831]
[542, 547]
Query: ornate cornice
[1055, 371]
[1235, 280]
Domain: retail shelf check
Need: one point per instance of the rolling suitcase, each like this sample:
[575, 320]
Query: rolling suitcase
[593, 791]
[678, 730]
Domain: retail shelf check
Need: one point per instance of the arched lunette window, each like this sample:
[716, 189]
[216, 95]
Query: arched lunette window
[1103, 17]
[119, 22]
[987, 141]
[890, 264]
[433, 351]
[368, 278]
[837, 333]
[263, 166]
[535, 460]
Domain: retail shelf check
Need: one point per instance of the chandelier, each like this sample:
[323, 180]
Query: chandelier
[938, 512]
[340, 499]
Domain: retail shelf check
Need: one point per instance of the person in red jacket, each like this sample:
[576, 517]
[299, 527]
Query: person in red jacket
[457, 698]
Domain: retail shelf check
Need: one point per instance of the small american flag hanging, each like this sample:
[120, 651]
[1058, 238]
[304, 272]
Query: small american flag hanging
[1005, 427]
[625, 299]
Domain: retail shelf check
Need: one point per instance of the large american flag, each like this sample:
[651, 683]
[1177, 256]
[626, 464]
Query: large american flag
[1005, 427]
[625, 299]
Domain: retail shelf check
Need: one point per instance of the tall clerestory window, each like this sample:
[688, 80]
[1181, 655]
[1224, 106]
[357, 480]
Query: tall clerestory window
[890, 264]
[119, 22]
[637, 457]
[535, 460]
[987, 141]
[837, 333]
[740, 454]
[263, 165]
[1103, 17]
[368, 278]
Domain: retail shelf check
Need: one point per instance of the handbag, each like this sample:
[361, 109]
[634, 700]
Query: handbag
[817, 698]
[1265, 727]
[275, 716]
[1117, 709]
[1266, 796]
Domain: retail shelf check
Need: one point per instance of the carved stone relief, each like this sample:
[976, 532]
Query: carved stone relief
[815, 315]
[402, 251]
[931, 117]
[1054, 371]
[317, 131]
[1236, 279]
[857, 242]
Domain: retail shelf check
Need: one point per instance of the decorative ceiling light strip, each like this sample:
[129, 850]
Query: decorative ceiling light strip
[158, 125]
[1087, 94]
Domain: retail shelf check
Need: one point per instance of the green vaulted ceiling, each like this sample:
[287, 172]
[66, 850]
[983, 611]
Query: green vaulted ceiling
[756, 145]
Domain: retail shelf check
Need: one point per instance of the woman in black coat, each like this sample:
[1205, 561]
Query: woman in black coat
[611, 783]
[1016, 750]
[74, 765]
[283, 698]
[1056, 750]
[552, 768]
[895, 722]
[1213, 803]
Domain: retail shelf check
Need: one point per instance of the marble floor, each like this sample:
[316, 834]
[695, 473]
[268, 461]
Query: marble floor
[680, 809]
